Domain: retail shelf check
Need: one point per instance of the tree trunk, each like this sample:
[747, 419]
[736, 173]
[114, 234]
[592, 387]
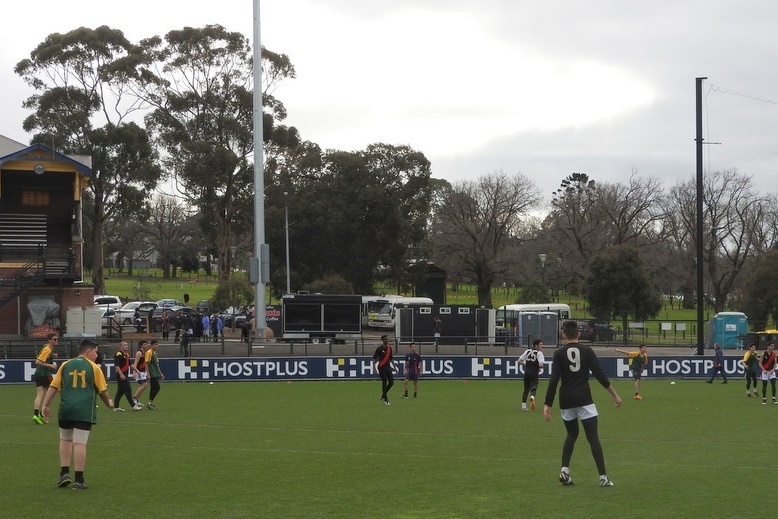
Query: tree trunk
[97, 251]
[223, 245]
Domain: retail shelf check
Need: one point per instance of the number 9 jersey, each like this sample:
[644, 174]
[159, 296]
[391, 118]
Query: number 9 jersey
[572, 363]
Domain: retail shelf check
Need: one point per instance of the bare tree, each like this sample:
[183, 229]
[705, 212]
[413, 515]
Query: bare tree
[478, 221]
[170, 231]
[732, 228]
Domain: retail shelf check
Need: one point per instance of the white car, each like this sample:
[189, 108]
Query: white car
[167, 303]
[126, 314]
[105, 301]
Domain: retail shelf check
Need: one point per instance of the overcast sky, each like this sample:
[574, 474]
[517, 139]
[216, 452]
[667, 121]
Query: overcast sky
[602, 87]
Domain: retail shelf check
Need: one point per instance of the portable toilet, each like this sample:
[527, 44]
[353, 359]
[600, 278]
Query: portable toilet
[727, 329]
[537, 325]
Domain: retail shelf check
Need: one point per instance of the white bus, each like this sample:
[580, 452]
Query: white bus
[509, 313]
[381, 311]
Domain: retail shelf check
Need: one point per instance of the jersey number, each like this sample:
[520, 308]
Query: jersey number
[78, 375]
[532, 356]
[574, 356]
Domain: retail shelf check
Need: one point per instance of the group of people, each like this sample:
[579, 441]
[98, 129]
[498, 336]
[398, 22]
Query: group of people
[755, 365]
[80, 381]
[383, 365]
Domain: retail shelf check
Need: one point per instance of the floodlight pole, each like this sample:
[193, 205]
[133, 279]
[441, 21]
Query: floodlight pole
[700, 193]
[260, 249]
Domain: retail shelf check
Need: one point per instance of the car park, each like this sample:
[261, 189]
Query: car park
[126, 314]
[595, 331]
[106, 301]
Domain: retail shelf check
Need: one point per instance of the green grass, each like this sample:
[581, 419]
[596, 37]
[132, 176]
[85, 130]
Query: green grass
[330, 450]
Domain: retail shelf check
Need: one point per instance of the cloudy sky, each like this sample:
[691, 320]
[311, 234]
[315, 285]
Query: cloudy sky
[548, 88]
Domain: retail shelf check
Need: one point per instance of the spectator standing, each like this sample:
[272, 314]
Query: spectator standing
[179, 323]
[206, 324]
[45, 367]
[437, 329]
[413, 368]
[165, 324]
[571, 365]
[718, 364]
[219, 328]
[80, 382]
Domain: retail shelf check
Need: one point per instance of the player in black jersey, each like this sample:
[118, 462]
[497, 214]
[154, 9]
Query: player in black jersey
[533, 361]
[572, 364]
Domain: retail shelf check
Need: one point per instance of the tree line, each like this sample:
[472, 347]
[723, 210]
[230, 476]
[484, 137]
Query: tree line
[178, 109]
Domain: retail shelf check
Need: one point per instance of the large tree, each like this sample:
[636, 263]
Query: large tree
[200, 83]
[352, 214]
[618, 286]
[80, 107]
[479, 223]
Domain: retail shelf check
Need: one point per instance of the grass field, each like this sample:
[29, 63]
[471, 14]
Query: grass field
[331, 450]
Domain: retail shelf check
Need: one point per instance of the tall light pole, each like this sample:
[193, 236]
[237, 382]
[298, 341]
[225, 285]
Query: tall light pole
[286, 226]
[542, 256]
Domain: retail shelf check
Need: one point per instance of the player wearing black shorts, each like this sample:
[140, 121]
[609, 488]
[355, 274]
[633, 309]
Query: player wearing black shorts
[80, 381]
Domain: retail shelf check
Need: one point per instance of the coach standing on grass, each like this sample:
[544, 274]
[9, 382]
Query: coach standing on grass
[572, 364]
[384, 367]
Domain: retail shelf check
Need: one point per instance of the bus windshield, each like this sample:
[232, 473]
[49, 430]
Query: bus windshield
[379, 307]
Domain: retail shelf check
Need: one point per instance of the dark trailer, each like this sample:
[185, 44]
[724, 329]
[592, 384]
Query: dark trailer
[316, 317]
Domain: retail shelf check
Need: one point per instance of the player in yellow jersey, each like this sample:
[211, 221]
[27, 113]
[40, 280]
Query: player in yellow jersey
[750, 365]
[45, 367]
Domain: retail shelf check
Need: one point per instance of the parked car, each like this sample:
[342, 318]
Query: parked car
[127, 313]
[108, 319]
[203, 306]
[595, 331]
[171, 311]
[170, 302]
[239, 314]
[104, 301]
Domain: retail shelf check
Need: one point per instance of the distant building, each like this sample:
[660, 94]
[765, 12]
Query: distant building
[41, 237]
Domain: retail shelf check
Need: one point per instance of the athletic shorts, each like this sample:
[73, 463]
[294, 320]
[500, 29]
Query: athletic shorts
[73, 424]
[768, 376]
[636, 375]
[587, 411]
[140, 377]
[412, 376]
[43, 381]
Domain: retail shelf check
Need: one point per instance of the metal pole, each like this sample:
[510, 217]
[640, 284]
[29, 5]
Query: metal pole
[286, 222]
[259, 180]
[700, 193]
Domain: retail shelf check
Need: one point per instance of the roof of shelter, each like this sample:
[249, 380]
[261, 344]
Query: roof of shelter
[42, 153]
